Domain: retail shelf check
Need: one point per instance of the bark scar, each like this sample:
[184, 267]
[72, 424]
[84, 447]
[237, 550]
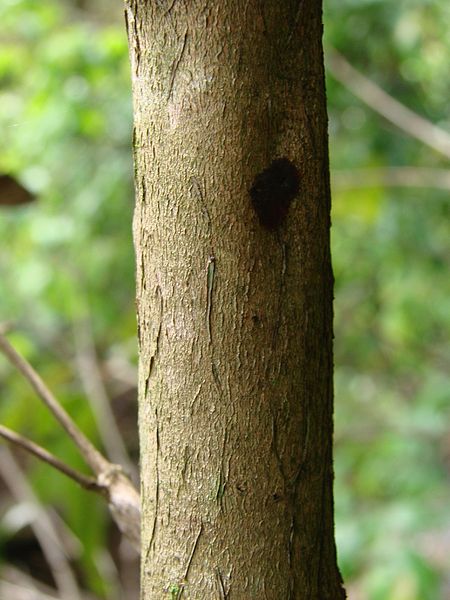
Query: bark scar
[273, 190]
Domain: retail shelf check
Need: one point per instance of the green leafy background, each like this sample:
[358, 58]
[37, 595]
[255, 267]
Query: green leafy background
[67, 259]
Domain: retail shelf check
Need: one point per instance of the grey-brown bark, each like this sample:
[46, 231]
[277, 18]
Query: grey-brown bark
[234, 299]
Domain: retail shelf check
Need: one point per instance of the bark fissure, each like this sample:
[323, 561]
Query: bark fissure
[176, 64]
[210, 274]
[156, 486]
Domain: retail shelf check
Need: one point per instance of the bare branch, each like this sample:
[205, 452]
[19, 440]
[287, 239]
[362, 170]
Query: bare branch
[14, 591]
[92, 382]
[91, 455]
[391, 177]
[42, 527]
[395, 112]
[89, 483]
[123, 371]
[123, 498]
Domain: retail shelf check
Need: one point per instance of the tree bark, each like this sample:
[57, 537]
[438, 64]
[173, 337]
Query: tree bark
[234, 299]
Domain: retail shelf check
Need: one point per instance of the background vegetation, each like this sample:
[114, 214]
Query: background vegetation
[67, 282]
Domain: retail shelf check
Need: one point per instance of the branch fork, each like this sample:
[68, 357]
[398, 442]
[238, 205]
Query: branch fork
[109, 480]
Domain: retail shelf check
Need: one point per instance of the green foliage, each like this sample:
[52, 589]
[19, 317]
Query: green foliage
[66, 126]
[390, 253]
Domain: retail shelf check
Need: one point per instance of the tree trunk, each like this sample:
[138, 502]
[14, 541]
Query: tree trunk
[234, 297]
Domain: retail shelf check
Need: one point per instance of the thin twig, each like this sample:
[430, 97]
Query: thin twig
[88, 483]
[92, 382]
[123, 371]
[91, 455]
[42, 526]
[16, 591]
[391, 177]
[122, 496]
[395, 112]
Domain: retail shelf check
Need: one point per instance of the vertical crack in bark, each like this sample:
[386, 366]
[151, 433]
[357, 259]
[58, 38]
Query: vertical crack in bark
[223, 592]
[296, 478]
[210, 273]
[170, 8]
[176, 64]
[281, 293]
[195, 398]
[295, 22]
[275, 446]
[155, 349]
[293, 487]
[156, 507]
[189, 562]
[196, 188]
[321, 542]
[276, 368]
[223, 478]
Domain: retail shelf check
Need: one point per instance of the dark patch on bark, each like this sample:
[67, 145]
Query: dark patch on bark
[273, 191]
